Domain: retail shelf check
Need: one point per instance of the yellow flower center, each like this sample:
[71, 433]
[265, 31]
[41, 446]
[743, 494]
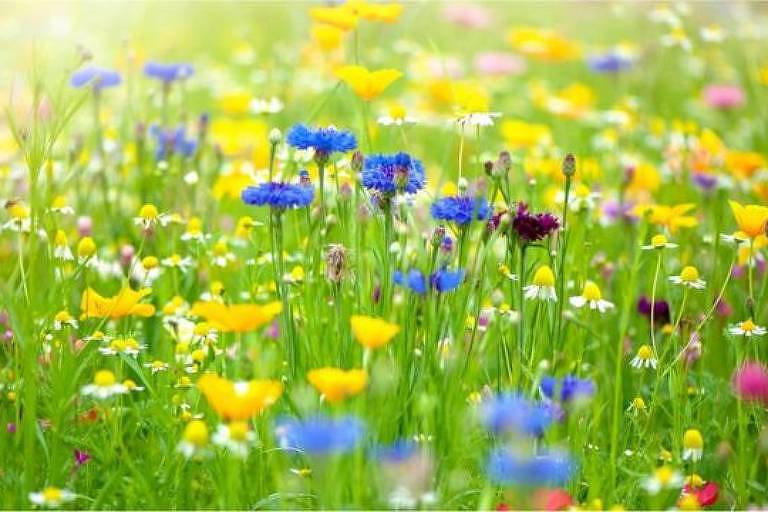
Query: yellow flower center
[86, 247]
[238, 430]
[658, 241]
[582, 191]
[175, 259]
[129, 384]
[198, 355]
[148, 212]
[591, 291]
[60, 239]
[158, 365]
[194, 226]
[664, 475]
[397, 112]
[131, 343]
[150, 262]
[645, 352]
[59, 202]
[18, 211]
[202, 328]
[695, 480]
[638, 403]
[748, 325]
[52, 494]
[220, 249]
[544, 276]
[693, 440]
[196, 433]
[689, 274]
[104, 378]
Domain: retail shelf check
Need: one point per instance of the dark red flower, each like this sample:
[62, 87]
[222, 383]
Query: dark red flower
[531, 227]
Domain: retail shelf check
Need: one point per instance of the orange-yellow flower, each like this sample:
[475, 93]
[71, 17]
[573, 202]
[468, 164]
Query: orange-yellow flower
[544, 45]
[339, 17]
[336, 384]
[125, 303]
[365, 83]
[372, 332]
[237, 317]
[673, 217]
[750, 218]
[239, 400]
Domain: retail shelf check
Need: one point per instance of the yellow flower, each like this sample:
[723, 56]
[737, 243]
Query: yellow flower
[519, 134]
[336, 384]
[750, 218]
[340, 17]
[365, 83]
[237, 317]
[673, 217]
[327, 37]
[235, 102]
[384, 12]
[372, 332]
[86, 247]
[239, 400]
[743, 164]
[231, 185]
[125, 303]
[196, 433]
[544, 45]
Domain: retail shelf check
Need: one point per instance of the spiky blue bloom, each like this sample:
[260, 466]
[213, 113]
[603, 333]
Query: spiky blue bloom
[323, 140]
[279, 195]
[507, 468]
[461, 209]
[510, 412]
[98, 78]
[320, 435]
[392, 173]
[168, 73]
[442, 281]
[569, 388]
[172, 142]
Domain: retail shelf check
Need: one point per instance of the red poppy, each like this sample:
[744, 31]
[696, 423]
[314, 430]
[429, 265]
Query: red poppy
[706, 495]
[552, 499]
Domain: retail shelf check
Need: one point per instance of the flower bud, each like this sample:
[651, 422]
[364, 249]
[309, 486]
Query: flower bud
[275, 136]
[569, 165]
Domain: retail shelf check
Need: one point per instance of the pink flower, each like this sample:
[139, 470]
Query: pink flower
[724, 96]
[467, 15]
[499, 63]
[706, 495]
[750, 382]
[84, 226]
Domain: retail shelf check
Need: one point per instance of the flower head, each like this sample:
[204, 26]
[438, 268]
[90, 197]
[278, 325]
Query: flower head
[323, 140]
[751, 218]
[750, 382]
[693, 445]
[747, 328]
[645, 358]
[365, 83]
[51, 497]
[390, 174]
[542, 286]
[510, 412]
[237, 317]
[591, 296]
[279, 195]
[95, 77]
[168, 73]
[663, 478]
[239, 400]
[567, 389]
[194, 439]
[320, 435]
[104, 386]
[531, 227]
[336, 384]
[505, 467]
[372, 332]
[461, 209]
[689, 277]
[659, 242]
[125, 303]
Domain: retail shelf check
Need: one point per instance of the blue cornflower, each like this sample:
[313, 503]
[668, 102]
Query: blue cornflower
[172, 142]
[393, 173]
[510, 412]
[609, 62]
[323, 140]
[279, 195]
[507, 468]
[168, 73]
[320, 435]
[399, 451]
[442, 281]
[570, 388]
[461, 209]
[446, 280]
[96, 77]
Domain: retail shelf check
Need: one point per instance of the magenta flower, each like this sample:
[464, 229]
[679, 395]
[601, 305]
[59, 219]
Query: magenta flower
[750, 382]
[81, 457]
[724, 97]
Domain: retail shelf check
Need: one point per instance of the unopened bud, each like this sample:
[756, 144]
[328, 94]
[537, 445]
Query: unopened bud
[275, 136]
[569, 165]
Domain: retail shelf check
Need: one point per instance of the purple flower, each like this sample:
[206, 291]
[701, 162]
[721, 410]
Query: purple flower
[660, 309]
[95, 77]
[81, 457]
[567, 389]
[168, 73]
[704, 180]
[531, 227]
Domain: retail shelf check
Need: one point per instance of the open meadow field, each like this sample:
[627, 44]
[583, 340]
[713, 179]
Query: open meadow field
[356, 255]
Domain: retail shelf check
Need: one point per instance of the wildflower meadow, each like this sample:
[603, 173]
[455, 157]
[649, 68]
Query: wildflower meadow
[361, 255]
